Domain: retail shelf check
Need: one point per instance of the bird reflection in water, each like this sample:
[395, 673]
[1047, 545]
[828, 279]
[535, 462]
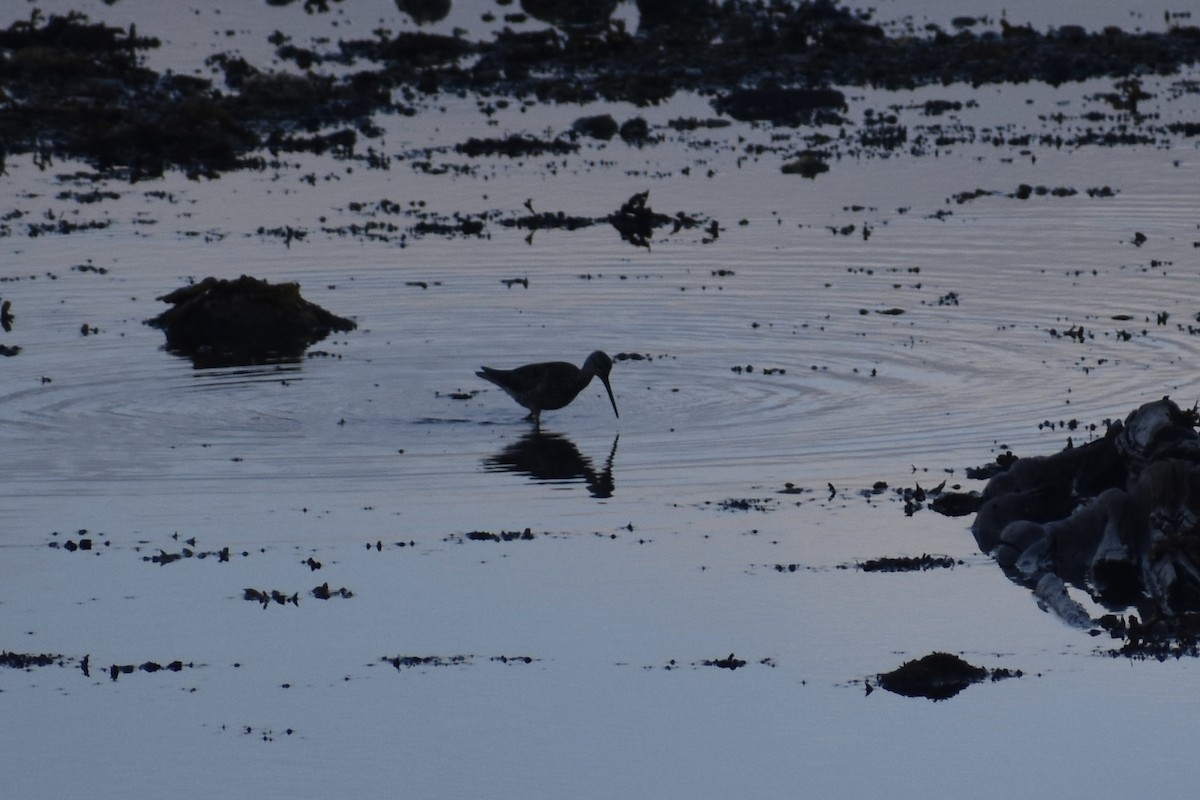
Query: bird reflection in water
[553, 457]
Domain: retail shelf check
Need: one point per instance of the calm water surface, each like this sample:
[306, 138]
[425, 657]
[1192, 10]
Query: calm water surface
[769, 361]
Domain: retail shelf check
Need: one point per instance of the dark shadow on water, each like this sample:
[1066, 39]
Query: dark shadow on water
[232, 358]
[553, 457]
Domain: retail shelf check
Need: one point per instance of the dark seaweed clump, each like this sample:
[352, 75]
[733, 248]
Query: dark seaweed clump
[80, 89]
[28, 660]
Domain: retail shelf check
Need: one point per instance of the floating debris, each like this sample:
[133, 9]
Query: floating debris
[636, 221]
[763, 504]
[117, 670]
[919, 563]
[163, 557]
[409, 662]
[501, 536]
[274, 596]
[730, 662]
[323, 592]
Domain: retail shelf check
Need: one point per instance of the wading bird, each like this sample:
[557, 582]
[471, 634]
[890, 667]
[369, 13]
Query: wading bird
[552, 384]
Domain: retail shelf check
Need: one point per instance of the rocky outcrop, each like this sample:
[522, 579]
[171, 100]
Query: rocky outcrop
[1118, 517]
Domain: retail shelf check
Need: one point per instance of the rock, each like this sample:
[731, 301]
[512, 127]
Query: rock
[635, 130]
[219, 322]
[937, 676]
[425, 11]
[601, 126]
[1118, 517]
[808, 165]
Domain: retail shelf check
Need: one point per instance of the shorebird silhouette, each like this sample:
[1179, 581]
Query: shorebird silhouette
[551, 385]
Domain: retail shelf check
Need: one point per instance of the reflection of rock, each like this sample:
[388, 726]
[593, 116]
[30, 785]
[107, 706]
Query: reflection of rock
[554, 457]
[1119, 517]
[245, 321]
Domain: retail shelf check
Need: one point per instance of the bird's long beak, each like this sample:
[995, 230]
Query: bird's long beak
[613, 400]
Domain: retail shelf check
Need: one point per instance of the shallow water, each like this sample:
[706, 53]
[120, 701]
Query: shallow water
[583, 647]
